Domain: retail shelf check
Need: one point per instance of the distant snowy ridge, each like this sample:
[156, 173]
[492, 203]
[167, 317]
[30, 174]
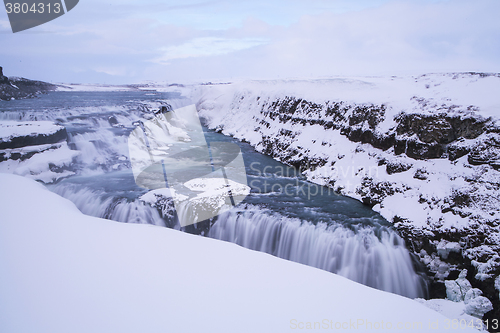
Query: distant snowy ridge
[423, 151]
[63, 271]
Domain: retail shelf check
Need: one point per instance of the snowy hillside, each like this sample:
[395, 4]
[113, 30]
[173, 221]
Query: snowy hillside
[63, 271]
[423, 151]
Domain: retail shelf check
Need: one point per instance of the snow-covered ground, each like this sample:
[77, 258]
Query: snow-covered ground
[423, 151]
[147, 86]
[35, 149]
[11, 129]
[63, 271]
[91, 87]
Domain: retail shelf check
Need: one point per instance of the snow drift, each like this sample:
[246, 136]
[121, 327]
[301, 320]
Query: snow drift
[63, 271]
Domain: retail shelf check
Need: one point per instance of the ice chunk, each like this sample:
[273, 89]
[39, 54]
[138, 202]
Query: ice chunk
[457, 289]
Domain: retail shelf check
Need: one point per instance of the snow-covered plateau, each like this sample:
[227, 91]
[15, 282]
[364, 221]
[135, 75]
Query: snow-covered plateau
[63, 271]
[423, 151]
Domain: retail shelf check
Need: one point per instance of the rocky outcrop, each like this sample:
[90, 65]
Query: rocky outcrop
[53, 134]
[36, 149]
[18, 88]
[3, 79]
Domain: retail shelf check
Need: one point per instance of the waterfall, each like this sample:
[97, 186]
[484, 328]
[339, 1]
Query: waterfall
[97, 203]
[374, 257]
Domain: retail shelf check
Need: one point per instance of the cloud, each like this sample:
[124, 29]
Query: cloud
[263, 39]
[397, 38]
[206, 46]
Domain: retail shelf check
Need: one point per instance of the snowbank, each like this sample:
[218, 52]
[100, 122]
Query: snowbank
[63, 271]
[35, 149]
[147, 87]
[15, 134]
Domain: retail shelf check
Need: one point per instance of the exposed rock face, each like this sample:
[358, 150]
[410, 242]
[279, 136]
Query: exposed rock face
[3, 79]
[428, 136]
[486, 151]
[418, 136]
[18, 88]
[33, 139]
[459, 229]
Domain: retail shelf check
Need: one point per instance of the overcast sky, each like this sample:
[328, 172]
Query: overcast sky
[131, 41]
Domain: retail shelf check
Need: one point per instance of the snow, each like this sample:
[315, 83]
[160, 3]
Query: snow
[450, 89]
[444, 248]
[152, 87]
[91, 87]
[63, 271]
[456, 290]
[452, 310]
[11, 129]
[41, 165]
[45, 162]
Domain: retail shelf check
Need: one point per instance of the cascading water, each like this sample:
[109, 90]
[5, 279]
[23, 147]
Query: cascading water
[100, 204]
[373, 257]
[329, 232]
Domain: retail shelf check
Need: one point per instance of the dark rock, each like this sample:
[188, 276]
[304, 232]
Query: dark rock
[164, 109]
[419, 150]
[421, 174]
[469, 128]
[396, 167]
[370, 114]
[399, 146]
[455, 151]
[34, 140]
[354, 134]
[373, 193]
[19, 88]
[383, 141]
[113, 121]
[486, 151]
[429, 129]
[461, 199]
[437, 289]
[3, 79]
[434, 132]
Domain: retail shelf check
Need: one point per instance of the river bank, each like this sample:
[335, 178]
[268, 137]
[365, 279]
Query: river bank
[422, 151]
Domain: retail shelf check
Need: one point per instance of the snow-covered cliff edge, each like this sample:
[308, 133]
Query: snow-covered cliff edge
[63, 271]
[423, 151]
